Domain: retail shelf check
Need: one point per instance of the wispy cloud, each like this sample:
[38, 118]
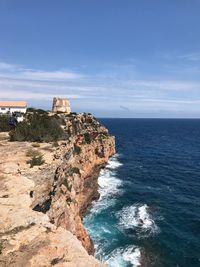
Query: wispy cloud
[20, 72]
[166, 85]
[100, 93]
[49, 75]
[21, 94]
[8, 67]
[191, 57]
[174, 55]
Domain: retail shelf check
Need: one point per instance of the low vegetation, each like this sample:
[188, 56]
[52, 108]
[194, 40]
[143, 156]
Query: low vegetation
[1, 246]
[34, 110]
[4, 126]
[36, 161]
[73, 170]
[38, 126]
[32, 152]
[77, 149]
[88, 138]
[35, 145]
[55, 144]
[36, 157]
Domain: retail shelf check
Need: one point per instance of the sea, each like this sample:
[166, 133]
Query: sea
[148, 213]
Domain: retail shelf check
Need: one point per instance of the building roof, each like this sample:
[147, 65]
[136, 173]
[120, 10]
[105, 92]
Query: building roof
[13, 104]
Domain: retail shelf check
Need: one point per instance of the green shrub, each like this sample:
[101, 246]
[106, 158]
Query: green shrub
[31, 110]
[36, 161]
[102, 136]
[34, 110]
[4, 126]
[77, 149]
[1, 247]
[38, 127]
[60, 118]
[88, 138]
[73, 170]
[55, 144]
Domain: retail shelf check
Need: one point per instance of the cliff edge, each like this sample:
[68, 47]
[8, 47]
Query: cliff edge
[41, 207]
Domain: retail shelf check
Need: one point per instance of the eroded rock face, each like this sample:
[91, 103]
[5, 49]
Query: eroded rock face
[41, 208]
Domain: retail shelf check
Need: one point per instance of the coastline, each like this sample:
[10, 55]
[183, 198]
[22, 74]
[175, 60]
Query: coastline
[49, 201]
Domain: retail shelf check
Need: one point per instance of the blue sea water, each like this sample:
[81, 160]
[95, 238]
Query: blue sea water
[149, 210]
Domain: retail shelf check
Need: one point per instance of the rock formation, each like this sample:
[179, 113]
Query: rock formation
[61, 105]
[41, 208]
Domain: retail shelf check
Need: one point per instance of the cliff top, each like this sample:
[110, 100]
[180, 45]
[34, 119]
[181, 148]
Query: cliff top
[41, 202]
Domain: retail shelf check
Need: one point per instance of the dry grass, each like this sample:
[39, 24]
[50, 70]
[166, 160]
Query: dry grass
[33, 152]
[35, 144]
[4, 136]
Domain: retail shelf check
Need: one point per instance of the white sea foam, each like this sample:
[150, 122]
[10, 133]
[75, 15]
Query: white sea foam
[138, 217]
[109, 188]
[132, 255]
[108, 185]
[121, 256]
[113, 162]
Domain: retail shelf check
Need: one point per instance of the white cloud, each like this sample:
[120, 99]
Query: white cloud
[22, 94]
[166, 84]
[20, 72]
[100, 92]
[49, 75]
[8, 67]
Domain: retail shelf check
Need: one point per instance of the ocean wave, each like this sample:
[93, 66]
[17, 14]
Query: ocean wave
[137, 217]
[108, 185]
[113, 162]
[121, 256]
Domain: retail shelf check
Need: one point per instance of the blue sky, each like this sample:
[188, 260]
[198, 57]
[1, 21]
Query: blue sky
[114, 58]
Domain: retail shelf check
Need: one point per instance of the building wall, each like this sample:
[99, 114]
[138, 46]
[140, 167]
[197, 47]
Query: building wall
[11, 110]
[61, 105]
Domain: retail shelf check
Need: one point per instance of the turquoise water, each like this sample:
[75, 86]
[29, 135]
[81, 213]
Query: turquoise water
[149, 210]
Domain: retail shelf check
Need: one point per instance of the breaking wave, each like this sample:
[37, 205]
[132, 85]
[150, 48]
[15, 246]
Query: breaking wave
[108, 185]
[121, 256]
[100, 228]
[137, 217]
[108, 182]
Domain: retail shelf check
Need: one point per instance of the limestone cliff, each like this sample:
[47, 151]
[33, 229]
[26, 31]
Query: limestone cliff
[41, 208]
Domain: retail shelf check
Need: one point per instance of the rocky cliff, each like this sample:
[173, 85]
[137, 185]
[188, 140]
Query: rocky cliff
[41, 208]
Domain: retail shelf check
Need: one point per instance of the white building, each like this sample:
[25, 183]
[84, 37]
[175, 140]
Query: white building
[13, 106]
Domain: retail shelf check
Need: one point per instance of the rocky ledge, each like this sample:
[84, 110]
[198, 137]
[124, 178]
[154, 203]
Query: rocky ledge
[41, 208]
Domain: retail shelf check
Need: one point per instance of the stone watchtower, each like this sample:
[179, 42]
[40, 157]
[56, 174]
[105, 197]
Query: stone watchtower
[61, 105]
